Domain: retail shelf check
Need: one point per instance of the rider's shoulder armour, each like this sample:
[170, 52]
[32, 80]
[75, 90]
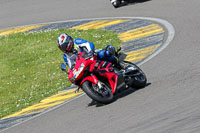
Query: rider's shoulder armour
[81, 43]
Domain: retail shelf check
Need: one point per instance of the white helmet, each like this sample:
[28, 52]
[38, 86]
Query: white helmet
[65, 43]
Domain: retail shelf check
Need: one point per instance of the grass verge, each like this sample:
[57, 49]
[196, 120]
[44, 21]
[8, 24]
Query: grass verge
[30, 65]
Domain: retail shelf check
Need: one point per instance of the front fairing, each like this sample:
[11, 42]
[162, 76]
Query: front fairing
[81, 63]
[102, 70]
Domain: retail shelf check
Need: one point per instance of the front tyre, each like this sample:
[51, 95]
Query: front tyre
[99, 92]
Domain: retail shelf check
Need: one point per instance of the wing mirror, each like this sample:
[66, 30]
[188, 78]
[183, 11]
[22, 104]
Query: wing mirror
[119, 49]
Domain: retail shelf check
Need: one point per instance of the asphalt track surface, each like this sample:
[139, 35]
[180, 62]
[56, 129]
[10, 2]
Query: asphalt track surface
[169, 104]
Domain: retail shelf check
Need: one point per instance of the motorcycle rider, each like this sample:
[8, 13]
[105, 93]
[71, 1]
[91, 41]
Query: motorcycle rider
[66, 44]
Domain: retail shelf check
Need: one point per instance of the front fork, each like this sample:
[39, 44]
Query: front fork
[98, 86]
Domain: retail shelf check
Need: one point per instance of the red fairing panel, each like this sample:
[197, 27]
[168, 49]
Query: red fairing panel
[70, 75]
[92, 79]
[92, 66]
[112, 78]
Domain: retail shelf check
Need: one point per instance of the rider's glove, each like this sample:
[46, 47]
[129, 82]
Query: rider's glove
[107, 53]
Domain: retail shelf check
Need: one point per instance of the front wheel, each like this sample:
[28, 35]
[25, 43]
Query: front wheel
[99, 92]
[139, 79]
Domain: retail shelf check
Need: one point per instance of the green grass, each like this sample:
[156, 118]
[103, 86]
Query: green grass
[30, 65]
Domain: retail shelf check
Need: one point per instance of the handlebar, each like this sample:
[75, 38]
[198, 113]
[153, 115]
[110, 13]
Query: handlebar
[119, 49]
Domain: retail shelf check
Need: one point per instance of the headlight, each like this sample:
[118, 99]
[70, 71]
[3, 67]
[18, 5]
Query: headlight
[80, 69]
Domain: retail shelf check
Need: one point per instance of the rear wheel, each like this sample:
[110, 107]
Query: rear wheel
[139, 79]
[99, 92]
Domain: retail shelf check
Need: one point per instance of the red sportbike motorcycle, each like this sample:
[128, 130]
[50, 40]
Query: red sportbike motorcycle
[101, 80]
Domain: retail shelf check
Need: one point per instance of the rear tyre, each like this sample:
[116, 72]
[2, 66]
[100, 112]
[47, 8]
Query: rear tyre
[138, 81]
[102, 95]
